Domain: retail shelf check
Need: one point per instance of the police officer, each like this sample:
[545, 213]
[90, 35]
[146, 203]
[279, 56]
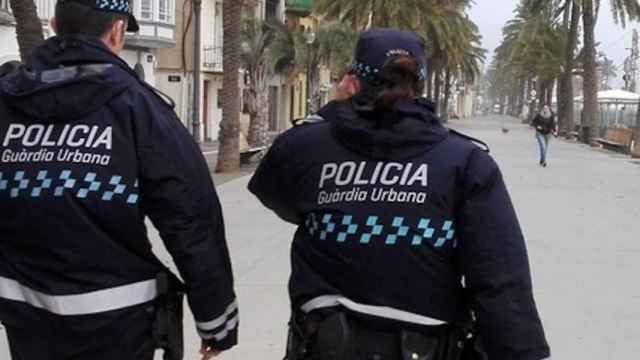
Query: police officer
[88, 151]
[403, 225]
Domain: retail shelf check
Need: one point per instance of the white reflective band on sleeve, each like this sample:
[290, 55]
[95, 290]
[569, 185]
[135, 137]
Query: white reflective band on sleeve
[231, 324]
[82, 304]
[219, 321]
[379, 311]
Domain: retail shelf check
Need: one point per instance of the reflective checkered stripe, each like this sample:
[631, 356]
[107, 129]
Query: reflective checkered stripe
[82, 185]
[95, 302]
[219, 328]
[330, 301]
[394, 231]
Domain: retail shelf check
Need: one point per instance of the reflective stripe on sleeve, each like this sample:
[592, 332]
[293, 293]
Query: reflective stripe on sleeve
[219, 336]
[379, 311]
[219, 321]
[81, 304]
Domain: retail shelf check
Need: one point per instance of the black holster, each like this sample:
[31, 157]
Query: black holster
[340, 336]
[168, 333]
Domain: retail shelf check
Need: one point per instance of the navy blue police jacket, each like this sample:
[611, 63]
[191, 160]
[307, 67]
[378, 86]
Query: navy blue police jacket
[88, 152]
[393, 211]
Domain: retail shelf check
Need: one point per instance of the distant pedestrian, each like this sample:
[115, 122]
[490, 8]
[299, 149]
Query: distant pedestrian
[545, 124]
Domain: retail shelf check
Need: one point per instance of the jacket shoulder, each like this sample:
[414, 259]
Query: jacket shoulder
[468, 142]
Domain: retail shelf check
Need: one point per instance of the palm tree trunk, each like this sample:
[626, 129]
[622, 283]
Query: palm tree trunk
[522, 89]
[28, 26]
[444, 113]
[430, 85]
[259, 117]
[565, 95]
[635, 150]
[591, 121]
[437, 86]
[550, 88]
[229, 156]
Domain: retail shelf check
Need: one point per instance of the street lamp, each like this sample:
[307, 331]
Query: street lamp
[197, 68]
[310, 38]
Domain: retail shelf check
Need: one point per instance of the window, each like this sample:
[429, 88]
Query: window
[4, 5]
[146, 9]
[165, 11]
[157, 10]
[271, 10]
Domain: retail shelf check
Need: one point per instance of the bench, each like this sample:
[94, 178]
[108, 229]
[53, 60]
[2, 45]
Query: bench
[617, 140]
[247, 155]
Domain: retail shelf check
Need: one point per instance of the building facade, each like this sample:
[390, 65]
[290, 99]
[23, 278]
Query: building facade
[174, 72]
[157, 31]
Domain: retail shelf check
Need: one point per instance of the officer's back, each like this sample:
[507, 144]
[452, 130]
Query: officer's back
[88, 151]
[393, 210]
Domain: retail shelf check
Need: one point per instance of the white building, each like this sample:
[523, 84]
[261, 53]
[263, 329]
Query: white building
[174, 72]
[157, 30]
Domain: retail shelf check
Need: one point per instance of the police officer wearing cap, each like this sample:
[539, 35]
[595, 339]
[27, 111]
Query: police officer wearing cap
[408, 246]
[88, 152]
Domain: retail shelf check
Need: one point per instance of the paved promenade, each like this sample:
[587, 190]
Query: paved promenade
[581, 217]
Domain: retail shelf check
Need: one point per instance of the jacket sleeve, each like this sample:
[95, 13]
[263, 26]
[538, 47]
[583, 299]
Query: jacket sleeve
[179, 197]
[272, 183]
[494, 262]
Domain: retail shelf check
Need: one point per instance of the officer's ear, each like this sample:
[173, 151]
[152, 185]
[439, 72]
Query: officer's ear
[115, 38]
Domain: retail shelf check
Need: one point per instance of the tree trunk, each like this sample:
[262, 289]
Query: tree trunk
[590, 112]
[551, 86]
[437, 86]
[229, 156]
[522, 90]
[444, 113]
[635, 150]
[565, 95]
[28, 26]
[259, 120]
[430, 85]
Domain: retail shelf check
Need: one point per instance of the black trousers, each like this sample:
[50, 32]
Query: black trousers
[121, 335]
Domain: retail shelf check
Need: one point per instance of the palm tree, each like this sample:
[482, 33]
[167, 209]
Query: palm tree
[532, 52]
[462, 61]
[256, 39]
[229, 156]
[361, 14]
[590, 112]
[333, 47]
[622, 10]
[28, 26]
[572, 13]
[607, 70]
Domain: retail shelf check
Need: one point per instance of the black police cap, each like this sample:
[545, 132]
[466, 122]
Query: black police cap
[376, 46]
[113, 6]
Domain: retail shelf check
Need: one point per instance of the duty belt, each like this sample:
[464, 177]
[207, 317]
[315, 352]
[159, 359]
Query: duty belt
[95, 302]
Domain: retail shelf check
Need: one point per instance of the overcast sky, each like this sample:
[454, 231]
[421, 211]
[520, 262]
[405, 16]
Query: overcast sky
[491, 17]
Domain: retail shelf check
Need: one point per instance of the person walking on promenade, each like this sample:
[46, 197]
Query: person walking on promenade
[546, 125]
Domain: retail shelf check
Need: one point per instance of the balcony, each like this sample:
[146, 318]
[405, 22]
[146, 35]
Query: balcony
[212, 59]
[302, 7]
[157, 24]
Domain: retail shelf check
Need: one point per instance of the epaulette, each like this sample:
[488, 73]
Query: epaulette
[481, 144]
[164, 97]
[311, 119]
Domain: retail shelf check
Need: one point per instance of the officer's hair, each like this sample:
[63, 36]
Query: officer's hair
[78, 19]
[400, 80]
